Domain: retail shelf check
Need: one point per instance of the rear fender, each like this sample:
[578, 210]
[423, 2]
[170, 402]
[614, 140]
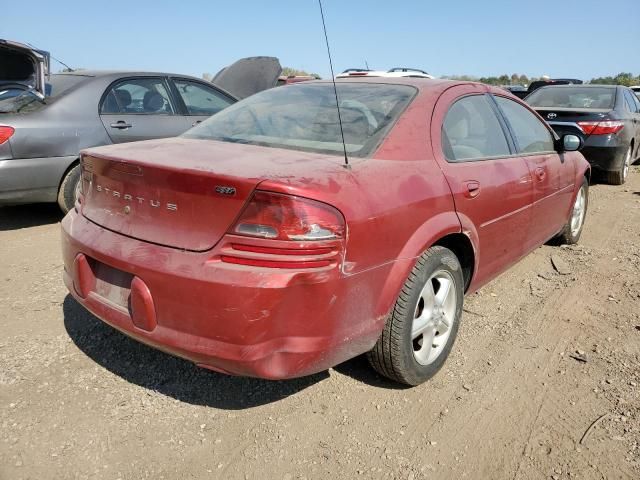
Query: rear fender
[424, 237]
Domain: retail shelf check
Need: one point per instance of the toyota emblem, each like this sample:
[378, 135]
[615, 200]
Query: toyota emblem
[551, 116]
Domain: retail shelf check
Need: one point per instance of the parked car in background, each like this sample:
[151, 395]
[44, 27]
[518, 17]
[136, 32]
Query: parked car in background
[533, 86]
[247, 246]
[393, 73]
[636, 90]
[519, 91]
[41, 136]
[289, 79]
[607, 117]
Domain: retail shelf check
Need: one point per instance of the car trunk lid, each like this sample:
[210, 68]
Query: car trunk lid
[22, 66]
[565, 121]
[182, 193]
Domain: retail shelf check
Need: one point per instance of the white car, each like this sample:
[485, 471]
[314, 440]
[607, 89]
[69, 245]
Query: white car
[393, 73]
[636, 90]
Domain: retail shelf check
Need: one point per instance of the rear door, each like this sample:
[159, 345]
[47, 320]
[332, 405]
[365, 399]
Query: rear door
[491, 184]
[200, 100]
[633, 105]
[553, 174]
[140, 108]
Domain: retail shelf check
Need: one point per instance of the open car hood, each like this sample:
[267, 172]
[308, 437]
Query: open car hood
[22, 66]
[248, 76]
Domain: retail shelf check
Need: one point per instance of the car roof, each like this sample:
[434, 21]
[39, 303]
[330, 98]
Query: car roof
[581, 85]
[421, 82]
[128, 73]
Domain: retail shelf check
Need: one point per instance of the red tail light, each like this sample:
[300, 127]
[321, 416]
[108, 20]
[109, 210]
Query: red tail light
[5, 133]
[285, 217]
[601, 128]
[287, 232]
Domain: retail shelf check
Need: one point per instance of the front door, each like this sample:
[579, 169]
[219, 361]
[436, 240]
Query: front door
[200, 100]
[491, 185]
[140, 108]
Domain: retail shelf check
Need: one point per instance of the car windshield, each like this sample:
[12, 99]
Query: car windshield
[23, 101]
[573, 97]
[304, 117]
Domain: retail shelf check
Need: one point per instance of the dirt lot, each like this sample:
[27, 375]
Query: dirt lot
[541, 355]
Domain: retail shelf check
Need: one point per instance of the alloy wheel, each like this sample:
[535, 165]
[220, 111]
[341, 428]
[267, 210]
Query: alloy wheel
[579, 210]
[627, 164]
[434, 315]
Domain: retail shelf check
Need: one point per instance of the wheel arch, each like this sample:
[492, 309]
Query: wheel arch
[67, 170]
[443, 229]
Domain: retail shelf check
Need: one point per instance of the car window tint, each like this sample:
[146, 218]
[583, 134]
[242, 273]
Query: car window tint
[629, 100]
[531, 135]
[471, 130]
[137, 96]
[201, 99]
[636, 100]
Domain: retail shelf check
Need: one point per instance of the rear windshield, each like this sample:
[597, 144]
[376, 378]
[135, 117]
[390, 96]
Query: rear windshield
[304, 117]
[573, 97]
[22, 101]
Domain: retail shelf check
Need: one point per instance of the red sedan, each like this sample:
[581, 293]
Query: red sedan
[248, 246]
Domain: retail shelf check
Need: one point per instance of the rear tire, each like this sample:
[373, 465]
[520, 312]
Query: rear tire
[423, 325]
[573, 229]
[619, 176]
[68, 192]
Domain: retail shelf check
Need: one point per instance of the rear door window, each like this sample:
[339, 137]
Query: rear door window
[529, 132]
[142, 96]
[630, 101]
[201, 99]
[472, 131]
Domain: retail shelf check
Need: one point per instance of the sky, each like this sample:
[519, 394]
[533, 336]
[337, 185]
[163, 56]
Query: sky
[560, 38]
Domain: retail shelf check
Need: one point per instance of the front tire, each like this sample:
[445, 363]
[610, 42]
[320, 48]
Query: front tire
[423, 325]
[573, 229]
[68, 192]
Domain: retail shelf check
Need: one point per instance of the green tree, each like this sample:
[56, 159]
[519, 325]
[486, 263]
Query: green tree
[623, 78]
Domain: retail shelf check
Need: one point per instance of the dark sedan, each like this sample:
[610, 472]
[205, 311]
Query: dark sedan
[43, 128]
[607, 117]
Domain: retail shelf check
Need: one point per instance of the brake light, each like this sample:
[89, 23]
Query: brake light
[5, 133]
[601, 128]
[284, 217]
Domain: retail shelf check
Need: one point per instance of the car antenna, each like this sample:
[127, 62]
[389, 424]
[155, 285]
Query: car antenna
[59, 61]
[335, 90]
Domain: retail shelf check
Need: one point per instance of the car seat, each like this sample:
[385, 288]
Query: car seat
[152, 102]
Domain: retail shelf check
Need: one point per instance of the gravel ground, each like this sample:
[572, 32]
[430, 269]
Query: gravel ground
[544, 351]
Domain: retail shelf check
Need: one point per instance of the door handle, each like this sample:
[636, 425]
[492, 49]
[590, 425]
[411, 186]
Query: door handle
[473, 189]
[196, 123]
[541, 174]
[121, 125]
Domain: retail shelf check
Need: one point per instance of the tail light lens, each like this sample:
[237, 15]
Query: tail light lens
[284, 217]
[284, 231]
[5, 133]
[601, 128]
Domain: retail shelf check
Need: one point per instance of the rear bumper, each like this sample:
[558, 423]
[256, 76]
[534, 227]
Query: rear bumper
[32, 180]
[605, 152]
[249, 321]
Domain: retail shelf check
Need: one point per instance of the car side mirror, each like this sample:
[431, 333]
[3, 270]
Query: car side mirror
[570, 143]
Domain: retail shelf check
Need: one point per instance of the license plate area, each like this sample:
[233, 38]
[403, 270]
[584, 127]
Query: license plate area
[112, 284]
